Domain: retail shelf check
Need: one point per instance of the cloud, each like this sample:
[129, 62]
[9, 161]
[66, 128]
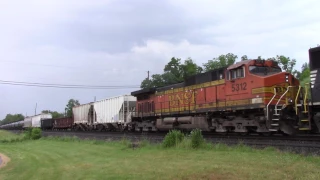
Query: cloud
[109, 42]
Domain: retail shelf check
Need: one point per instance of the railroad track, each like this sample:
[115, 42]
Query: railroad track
[303, 144]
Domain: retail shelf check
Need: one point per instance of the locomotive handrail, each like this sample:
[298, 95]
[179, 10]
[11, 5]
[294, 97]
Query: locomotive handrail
[297, 99]
[275, 93]
[305, 97]
[284, 94]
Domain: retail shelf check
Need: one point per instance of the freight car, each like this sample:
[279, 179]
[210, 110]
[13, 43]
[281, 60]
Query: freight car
[309, 107]
[249, 96]
[105, 115]
[63, 123]
[30, 121]
[13, 126]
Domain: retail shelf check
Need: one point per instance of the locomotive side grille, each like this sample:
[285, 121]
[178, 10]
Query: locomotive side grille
[313, 76]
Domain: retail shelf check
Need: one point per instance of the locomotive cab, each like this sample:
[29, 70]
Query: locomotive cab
[264, 84]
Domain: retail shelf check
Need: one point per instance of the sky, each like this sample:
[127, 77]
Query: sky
[115, 42]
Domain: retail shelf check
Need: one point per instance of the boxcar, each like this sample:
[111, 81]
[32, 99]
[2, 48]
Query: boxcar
[46, 124]
[63, 123]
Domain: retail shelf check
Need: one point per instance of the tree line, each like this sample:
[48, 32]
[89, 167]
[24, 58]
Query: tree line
[10, 118]
[177, 71]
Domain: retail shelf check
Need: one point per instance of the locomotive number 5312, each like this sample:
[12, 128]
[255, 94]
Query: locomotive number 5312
[239, 87]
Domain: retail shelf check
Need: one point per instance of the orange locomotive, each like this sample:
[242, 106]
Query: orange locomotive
[245, 97]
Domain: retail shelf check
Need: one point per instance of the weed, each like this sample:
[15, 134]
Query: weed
[36, 133]
[196, 138]
[173, 138]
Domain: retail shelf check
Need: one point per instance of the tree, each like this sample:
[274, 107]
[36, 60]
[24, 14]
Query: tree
[219, 62]
[146, 83]
[12, 118]
[70, 105]
[54, 114]
[286, 63]
[174, 68]
[189, 68]
[155, 81]
[244, 57]
[173, 72]
[305, 72]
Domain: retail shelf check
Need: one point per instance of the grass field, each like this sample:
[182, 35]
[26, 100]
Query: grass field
[8, 136]
[52, 158]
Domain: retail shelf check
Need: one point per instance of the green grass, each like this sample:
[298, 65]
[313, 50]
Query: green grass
[71, 158]
[6, 136]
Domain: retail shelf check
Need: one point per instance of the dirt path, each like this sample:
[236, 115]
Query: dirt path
[3, 160]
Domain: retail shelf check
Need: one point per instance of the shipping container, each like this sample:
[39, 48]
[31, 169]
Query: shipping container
[37, 118]
[62, 123]
[114, 110]
[82, 114]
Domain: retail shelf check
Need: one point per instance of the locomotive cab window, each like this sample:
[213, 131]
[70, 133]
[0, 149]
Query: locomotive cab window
[264, 70]
[236, 73]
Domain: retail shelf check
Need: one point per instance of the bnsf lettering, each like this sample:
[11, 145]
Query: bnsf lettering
[239, 87]
[181, 99]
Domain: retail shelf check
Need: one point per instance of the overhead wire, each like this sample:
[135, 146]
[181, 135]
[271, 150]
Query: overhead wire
[67, 67]
[17, 83]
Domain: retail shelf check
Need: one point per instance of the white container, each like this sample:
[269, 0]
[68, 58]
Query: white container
[27, 122]
[81, 114]
[114, 109]
[37, 118]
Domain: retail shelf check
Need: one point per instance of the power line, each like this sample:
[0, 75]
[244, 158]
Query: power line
[62, 84]
[65, 85]
[67, 67]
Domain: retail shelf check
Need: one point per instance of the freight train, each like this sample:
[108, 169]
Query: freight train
[251, 96]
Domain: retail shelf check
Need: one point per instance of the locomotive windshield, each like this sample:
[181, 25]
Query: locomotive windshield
[264, 70]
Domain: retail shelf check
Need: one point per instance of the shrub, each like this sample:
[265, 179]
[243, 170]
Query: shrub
[173, 138]
[27, 133]
[196, 138]
[32, 133]
[36, 133]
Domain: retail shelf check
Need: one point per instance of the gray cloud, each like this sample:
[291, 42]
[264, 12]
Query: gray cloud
[115, 27]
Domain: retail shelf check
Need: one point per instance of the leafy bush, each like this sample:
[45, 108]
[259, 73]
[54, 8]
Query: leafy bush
[33, 133]
[196, 138]
[173, 138]
[27, 133]
[36, 133]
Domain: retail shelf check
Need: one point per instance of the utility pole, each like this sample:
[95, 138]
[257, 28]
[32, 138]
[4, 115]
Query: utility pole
[35, 110]
[148, 75]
